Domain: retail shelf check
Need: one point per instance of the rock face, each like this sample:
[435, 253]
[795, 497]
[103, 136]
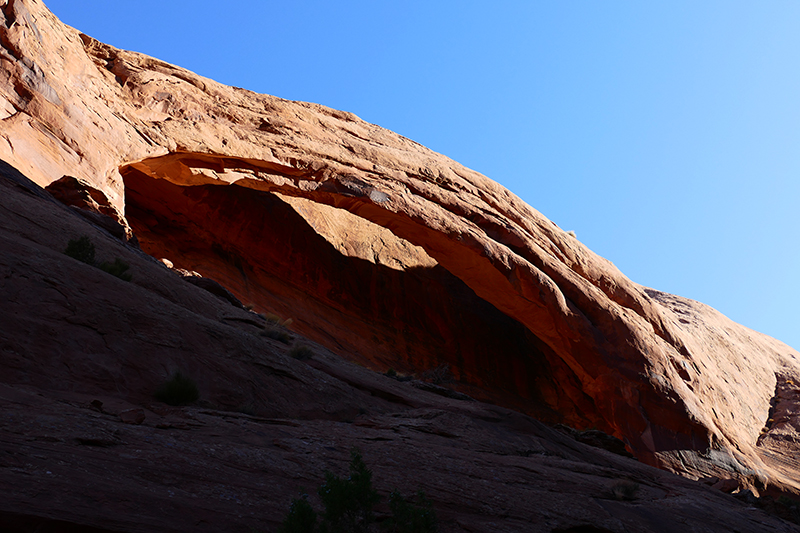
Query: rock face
[84, 446]
[388, 254]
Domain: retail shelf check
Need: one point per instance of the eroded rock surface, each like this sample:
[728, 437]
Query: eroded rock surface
[565, 335]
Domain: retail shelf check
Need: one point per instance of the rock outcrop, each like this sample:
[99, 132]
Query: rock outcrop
[387, 254]
[84, 446]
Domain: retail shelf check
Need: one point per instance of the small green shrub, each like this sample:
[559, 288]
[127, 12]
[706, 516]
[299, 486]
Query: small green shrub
[349, 504]
[118, 268]
[301, 517]
[624, 490]
[271, 319]
[392, 373]
[301, 352]
[81, 249]
[179, 390]
[277, 333]
[275, 328]
[410, 518]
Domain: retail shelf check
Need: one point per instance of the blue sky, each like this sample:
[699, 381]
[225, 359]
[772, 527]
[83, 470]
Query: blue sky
[665, 134]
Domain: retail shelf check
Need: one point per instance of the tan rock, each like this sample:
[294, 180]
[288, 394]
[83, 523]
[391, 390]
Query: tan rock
[726, 485]
[72, 191]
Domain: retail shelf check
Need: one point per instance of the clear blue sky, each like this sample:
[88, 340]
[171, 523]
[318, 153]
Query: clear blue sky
[666, 134]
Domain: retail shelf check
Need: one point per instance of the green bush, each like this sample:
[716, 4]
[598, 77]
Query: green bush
[624, 490]
[81, 249]
[278, 334]
[349, 504]
[301, 352]
[271, 319]
[179, 390]
[301, 517]
[275, 328]
[118, 268]
[410, 518]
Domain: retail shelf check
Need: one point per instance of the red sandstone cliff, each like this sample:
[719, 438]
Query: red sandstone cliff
[391, 255]
[84, 446]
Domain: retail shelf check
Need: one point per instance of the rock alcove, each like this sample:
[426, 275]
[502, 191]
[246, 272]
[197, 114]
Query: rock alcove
[346, 282]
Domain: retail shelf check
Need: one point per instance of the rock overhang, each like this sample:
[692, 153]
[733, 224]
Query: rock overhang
[384, 301]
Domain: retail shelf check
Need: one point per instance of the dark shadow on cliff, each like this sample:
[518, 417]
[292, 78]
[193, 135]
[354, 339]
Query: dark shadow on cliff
[410, 320]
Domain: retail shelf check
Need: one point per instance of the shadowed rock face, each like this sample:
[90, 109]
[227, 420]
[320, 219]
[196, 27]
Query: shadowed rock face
[411, 316]
[684, 387]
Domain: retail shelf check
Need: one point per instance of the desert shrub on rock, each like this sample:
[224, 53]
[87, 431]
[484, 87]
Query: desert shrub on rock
[349, 502]
[301, 517]
[178, 390]
[301, 352]
[625, 490]
[408, 517]
[83, 250]
[118, 268]
[349, 505]
[275, 328]
[277, 334]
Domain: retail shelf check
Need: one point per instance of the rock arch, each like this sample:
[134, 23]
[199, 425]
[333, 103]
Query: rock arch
[566, 330]
[667, 374]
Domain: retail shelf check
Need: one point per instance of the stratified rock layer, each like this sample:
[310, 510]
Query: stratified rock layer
[575, 340]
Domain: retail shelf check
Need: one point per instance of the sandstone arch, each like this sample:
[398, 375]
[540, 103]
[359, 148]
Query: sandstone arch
[482, 247]
[672, 377]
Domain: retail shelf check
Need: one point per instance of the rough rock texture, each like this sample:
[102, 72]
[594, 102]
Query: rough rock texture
[523, 313]
[85, 447]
